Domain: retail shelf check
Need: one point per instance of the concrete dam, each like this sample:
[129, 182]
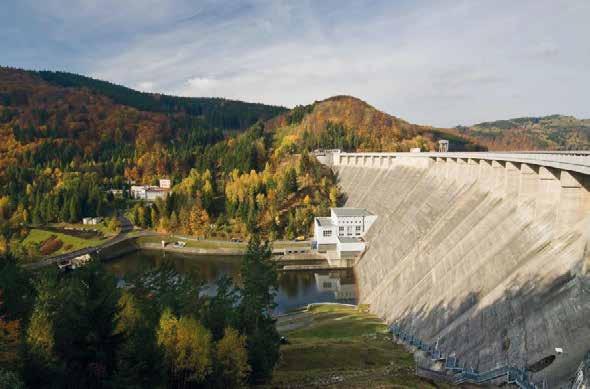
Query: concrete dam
[485, 255]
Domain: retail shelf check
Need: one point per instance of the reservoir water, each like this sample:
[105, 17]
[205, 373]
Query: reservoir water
[296, 288]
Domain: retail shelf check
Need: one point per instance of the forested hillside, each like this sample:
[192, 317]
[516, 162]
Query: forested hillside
[211, 112]
[63, 148]
[555, 132]
[66, 140]
[351, 124]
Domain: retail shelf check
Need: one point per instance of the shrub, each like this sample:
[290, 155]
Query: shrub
[50, 245]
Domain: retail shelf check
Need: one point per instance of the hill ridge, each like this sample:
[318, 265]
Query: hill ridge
[549, 132]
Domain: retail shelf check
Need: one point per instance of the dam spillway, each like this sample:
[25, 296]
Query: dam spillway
[484, 253]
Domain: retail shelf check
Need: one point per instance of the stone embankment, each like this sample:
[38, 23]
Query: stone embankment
[484, 256]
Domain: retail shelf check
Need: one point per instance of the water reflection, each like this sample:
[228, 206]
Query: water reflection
[296, 288]
[342, 285]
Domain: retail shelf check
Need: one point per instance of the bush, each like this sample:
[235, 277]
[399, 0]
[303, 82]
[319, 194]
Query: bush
[10, 380]
[114, 225]
[50, 245]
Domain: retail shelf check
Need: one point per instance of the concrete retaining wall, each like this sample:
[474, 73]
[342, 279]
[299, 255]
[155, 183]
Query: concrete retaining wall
[489, 257]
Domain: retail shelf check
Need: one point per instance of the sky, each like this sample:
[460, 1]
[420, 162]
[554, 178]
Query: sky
[438, 62]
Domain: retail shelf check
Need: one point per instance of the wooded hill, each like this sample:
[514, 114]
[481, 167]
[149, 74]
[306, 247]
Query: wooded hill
[62, 147]
[65, 139]
[211, 111]
[351, 124]
[554, 132]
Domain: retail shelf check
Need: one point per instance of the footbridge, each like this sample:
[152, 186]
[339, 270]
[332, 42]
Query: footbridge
[484, 254]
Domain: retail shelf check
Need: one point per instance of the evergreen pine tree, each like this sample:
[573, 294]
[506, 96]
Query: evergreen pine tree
[259, 277]
[74, 208]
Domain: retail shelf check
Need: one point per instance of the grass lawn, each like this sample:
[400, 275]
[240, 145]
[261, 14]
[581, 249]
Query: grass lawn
[100, 227]
[70, 243]
[341, 347]
[214, 243]
[288, 243]
[202, 244]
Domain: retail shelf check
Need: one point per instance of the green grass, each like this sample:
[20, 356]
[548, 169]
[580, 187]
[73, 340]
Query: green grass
[70, 243]
[213, 243]
[100, 227]
[283, 244]
[345, 348]
[202, 244]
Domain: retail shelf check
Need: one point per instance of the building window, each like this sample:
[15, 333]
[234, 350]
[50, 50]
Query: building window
[341, 229]
[327, 285]
[327, 233]
[358, 228]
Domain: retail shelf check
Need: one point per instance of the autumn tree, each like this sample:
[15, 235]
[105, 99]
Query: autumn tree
[232, 359]
[139, 360]
[187, 349]
[42, 363]
[9, 339]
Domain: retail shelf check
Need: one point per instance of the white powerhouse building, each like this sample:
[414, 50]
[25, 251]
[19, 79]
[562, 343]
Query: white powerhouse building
[343, 231]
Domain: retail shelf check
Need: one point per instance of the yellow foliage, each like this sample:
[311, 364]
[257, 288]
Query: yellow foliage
[4, 202]
[3, 245]
[233, 358]
[187, 346]
[334, 196]
[306, 200]
[129, 315]
[40, 335]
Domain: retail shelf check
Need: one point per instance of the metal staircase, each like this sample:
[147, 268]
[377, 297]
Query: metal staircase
[462, 375]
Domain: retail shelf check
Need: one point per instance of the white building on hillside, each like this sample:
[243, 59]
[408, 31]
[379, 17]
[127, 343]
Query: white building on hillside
[92, 220]
[151, 193]
[343, 231]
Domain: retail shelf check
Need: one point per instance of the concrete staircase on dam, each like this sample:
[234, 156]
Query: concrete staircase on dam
[485, 253]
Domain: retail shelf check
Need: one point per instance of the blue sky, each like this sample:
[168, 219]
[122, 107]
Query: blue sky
[431, 62]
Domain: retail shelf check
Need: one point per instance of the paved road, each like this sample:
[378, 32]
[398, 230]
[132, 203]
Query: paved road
[126, 227]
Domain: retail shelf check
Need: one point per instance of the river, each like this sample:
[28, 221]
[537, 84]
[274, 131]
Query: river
[296, 288]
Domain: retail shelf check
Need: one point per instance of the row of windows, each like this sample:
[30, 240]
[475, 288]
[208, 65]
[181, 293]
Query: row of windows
[357, 228]
[328, 233]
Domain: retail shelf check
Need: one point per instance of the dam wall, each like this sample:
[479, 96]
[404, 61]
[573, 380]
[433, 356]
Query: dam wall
[485, 254]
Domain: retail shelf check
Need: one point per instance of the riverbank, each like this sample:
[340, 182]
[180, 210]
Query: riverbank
[291, 256]
[336, 345]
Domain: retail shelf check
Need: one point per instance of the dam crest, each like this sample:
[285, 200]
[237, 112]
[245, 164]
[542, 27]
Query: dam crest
[484, 254]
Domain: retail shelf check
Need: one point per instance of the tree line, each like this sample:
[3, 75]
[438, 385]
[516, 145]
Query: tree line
[213, 112]
[68, 147]
[78, 329]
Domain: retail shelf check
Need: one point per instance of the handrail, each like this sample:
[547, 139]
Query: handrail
[579, 376]
[512, 374]
[577, 161]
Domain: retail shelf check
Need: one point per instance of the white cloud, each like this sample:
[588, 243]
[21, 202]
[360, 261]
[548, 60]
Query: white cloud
[146, 86]
[201, 83]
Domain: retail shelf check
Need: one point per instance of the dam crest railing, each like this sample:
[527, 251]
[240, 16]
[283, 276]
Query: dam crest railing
[576, 161]
[462, 375]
